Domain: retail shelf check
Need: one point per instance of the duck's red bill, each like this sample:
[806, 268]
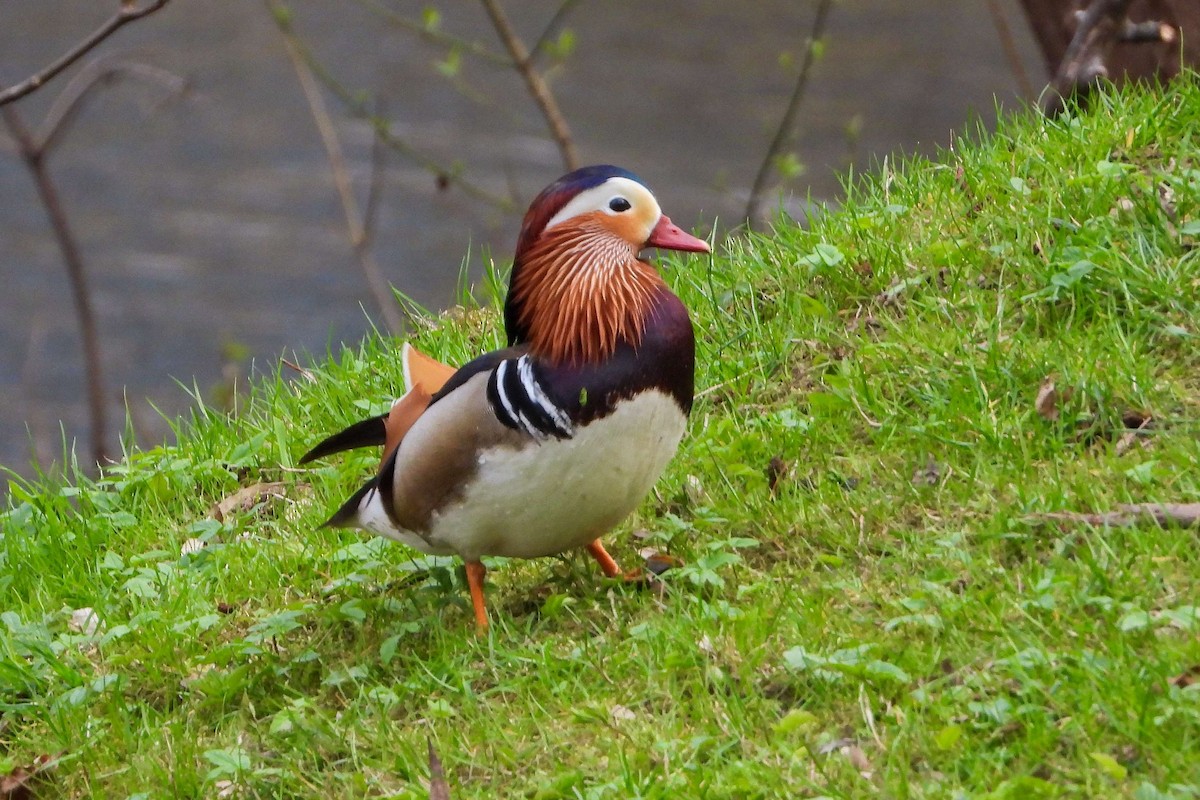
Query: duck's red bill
[669, 236]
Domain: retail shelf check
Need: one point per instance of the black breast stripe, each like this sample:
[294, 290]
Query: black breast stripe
[520, 402]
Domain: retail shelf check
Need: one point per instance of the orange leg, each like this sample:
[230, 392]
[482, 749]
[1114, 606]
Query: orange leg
[606, 561]
[475, 573]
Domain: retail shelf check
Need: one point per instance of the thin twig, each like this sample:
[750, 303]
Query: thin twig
[34, 151]
[537, 85]
[715, 388]
[359, 239]
[35, 159]
[307, 374]
[358, 105]
[65, 107]
[435, 35]
[754, 206]
[552, 27]
[1162, 514]
[374, 186]
[1009, 45]
[128, 12]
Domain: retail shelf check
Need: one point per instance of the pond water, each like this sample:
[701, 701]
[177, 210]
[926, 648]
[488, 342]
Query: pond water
[209, 222]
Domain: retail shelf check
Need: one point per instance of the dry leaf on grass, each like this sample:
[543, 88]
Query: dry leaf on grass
[20, 783]
[1189, 676]
[657, 563]
[853, 753]
[1048, 400]
[776, 470]
[1091, 427]
[247, 498]
[929, 475]
[858, 759]
[1137, 423]
[619, 714]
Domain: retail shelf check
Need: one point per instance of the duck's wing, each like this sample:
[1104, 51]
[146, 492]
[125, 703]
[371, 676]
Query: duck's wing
[423, 370]
[496, 401]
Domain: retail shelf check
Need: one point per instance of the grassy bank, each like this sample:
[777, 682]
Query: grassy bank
[871, 604]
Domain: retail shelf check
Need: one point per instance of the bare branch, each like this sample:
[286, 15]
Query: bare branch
[1149, 31]
[100, 71]
[1162, 514]
[435, 36]
[359, 239]
[1098, 29]
[375, 186]
[754, 206]
[537, 85]
[34, 158]
[1083, 62]
[357, 103]
[129, 11]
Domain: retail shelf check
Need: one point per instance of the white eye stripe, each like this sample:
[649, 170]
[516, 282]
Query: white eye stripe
[597, 198]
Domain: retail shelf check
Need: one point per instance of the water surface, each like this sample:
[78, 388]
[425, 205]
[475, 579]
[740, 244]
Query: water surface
[212, 219]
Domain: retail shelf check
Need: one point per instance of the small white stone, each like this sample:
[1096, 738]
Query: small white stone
[85, 621]
[620, 713]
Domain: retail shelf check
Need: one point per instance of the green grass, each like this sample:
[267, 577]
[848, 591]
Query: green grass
[891, 619]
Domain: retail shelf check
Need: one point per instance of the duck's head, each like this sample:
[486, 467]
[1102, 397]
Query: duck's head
[578, 286]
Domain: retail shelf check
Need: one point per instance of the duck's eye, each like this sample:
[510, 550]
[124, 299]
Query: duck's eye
[619, 204]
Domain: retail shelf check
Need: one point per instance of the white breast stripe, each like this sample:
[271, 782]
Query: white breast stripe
[501, 371]
[520, 402]
[514, 409]
[529, 427]
[537, 396]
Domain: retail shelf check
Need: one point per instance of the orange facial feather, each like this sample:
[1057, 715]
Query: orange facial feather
[581, 290]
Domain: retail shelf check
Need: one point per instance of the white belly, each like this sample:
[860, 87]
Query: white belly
[559, 494]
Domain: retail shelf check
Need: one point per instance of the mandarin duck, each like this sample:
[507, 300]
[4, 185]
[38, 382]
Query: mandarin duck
[545, 445]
